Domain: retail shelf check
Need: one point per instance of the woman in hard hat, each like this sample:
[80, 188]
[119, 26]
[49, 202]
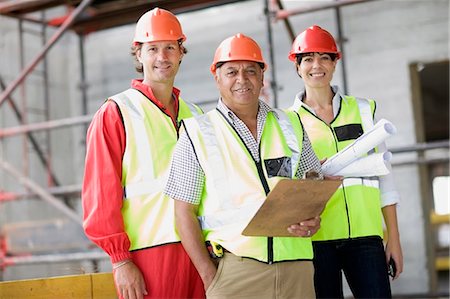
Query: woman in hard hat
[350, 237]
[129, 146]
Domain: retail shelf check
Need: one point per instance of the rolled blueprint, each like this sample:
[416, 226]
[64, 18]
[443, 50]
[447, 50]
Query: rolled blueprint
[363, 144]
[372, 165]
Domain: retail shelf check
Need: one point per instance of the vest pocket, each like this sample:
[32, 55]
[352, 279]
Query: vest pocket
[280, 167]
[348, 132]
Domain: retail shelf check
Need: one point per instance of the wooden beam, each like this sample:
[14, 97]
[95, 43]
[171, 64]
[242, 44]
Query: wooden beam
[438, 219]
[118, 13]
[27, 6]
[89, 286]
[442, 263]
[103, 14]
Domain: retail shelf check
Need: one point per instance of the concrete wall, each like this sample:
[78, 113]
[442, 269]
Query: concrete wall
[382, 39]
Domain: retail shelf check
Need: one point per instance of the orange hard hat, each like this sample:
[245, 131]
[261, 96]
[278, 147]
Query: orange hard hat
[313, 39]
[158, 25]
[238, 47]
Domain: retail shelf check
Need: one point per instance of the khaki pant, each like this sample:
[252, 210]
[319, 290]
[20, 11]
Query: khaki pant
[238, 277]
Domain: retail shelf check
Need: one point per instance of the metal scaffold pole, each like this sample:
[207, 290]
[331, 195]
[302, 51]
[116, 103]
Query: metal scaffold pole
[41, 192]
[273, 81]
[63, 28]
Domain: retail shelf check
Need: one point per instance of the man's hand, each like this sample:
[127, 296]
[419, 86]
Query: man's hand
[129, 281]
[193, 242]
[207, 274]
[305, 228]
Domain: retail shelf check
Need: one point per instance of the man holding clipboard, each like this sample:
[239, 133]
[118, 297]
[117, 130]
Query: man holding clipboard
[289, 202]
[224, 166]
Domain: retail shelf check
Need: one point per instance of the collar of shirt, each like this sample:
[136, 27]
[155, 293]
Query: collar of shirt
[336, 100]
[262, 111]
[250, 141]
[147, 91]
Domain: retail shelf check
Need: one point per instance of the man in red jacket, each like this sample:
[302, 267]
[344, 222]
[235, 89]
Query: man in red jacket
[129, 148]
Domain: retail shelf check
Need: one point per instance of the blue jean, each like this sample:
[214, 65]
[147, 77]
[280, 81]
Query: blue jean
[363, 262]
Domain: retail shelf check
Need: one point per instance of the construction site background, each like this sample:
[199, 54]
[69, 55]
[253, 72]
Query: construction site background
[396, 52]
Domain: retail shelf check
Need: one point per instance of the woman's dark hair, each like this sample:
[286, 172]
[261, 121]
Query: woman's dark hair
[299, 57]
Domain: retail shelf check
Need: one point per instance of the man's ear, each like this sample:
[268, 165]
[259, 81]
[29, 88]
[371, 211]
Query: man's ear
[138, 54]
[216, 76]
[181, 56]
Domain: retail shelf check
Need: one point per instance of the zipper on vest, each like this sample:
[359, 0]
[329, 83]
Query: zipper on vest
[262, 179]
[346, 210]
[266, 190]
[337, 150]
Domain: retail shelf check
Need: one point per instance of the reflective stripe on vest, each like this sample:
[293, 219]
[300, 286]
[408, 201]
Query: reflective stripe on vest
[143, 151]
[291, 138]
[193, 109]
[150, 182]
[355, 209]
[368, 182]
[366, 113]
[366, 116]
[233, 187]
[150, 140]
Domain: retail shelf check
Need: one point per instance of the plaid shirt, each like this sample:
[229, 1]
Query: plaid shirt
[187, 179]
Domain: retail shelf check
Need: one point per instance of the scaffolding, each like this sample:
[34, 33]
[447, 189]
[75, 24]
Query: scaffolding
[56, 194]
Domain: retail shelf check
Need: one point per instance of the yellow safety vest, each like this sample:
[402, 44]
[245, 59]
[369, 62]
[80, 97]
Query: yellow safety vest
[236, 185]
[355, 209]
[148, 214]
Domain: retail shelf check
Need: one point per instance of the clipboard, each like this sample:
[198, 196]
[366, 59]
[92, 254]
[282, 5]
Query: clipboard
[289, 202]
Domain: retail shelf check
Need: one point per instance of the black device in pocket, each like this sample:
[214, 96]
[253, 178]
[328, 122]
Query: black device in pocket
[279, 167]
[392, 269]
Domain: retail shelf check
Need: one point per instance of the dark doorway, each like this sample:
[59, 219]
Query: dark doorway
[434, 85]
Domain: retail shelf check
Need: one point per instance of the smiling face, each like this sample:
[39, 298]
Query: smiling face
[239, 83]
[316, 69]
[160, 61]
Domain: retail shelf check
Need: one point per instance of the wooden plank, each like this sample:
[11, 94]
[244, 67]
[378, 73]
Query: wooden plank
[76, 286]
[25, 6]
[103, 14]
[86, 286]
[116, 13]
[442, 263]
[438, 219]
[103, 286]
